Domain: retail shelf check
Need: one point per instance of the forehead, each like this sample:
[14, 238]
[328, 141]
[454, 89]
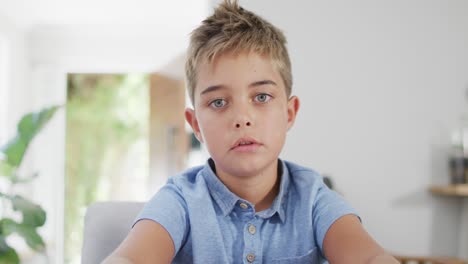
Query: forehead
[231, 59]
[236, 69]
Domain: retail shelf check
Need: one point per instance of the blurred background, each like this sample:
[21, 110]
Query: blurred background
[383, 87]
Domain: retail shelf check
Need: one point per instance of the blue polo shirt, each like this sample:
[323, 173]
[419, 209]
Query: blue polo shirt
[210, 224]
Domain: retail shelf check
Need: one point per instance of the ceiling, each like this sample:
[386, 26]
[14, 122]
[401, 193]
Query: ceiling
[171, 14]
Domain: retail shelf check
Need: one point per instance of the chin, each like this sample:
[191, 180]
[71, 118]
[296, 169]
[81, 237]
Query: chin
[246, 168]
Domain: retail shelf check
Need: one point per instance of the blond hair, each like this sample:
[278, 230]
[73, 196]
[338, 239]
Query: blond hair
[233, 29]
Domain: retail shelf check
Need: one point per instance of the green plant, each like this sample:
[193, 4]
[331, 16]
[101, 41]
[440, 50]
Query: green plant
[33, 216]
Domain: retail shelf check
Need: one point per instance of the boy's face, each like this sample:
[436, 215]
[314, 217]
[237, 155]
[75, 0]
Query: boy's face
[241, 99]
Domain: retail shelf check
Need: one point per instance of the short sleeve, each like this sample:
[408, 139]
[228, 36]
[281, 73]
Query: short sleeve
[328, 207]
[168, 208]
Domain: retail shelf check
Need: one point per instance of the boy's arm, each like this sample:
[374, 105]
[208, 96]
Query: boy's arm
[346, 241]
[147, 242]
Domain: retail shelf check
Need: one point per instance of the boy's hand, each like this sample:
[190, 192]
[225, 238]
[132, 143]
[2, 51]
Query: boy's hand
[346, 241]
[147, 242]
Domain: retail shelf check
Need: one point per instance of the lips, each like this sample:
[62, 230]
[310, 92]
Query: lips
[245, 142]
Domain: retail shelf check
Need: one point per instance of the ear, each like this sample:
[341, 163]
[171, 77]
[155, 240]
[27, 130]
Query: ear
[191, 118]
[293, 108]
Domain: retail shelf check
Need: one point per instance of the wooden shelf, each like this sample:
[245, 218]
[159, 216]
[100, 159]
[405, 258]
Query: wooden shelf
[451, 190]
[435, 260]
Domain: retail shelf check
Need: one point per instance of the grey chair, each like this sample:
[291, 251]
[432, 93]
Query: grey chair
[105, 227]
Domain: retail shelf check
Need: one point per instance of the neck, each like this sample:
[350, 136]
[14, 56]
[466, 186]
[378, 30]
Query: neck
[260, 189]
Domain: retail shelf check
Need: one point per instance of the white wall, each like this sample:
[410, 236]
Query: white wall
[57, 50]
[14, 99]
[101, 48]
[4, 54]
[14, 70]
[382, 83]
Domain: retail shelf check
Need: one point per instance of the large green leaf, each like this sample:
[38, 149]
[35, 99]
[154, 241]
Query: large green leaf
[14, 150]
[8, 226]
[33, 239]
[6, 170]
[28, 127]
[3, 245]
[9, 257]
[32, 123]
[28, 232]
[33, 214]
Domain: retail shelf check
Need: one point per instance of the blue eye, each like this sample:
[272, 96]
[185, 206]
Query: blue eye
[262, 98]
[218, 103]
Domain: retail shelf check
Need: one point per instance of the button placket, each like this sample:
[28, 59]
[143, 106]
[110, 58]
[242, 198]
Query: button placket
[252, 250]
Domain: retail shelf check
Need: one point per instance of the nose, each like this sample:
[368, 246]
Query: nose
[247, 124]
[243, 116]
[243, 113]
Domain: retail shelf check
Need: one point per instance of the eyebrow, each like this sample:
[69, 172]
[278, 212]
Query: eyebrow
[221, 86]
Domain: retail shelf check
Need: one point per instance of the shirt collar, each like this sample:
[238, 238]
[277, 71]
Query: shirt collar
[227, 200]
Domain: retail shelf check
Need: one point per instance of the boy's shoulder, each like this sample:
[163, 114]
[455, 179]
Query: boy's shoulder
[188, 176]
[302, 175]
[295, 168]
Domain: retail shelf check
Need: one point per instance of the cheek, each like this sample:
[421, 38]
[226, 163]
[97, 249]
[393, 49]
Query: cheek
[211, 127]
[277, 119]
[275, 127]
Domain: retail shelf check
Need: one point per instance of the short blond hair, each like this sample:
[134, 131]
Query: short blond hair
[231, 28]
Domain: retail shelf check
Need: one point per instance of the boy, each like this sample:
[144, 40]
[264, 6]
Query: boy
[245, 205]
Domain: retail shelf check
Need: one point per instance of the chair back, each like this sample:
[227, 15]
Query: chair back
[106, 226]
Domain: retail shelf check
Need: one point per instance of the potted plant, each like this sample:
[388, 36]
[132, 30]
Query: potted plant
[32, 215]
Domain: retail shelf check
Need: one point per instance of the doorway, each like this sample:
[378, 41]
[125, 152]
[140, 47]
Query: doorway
[125, 135]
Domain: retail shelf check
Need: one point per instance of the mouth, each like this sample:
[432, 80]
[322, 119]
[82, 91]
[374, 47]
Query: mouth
[245, 144]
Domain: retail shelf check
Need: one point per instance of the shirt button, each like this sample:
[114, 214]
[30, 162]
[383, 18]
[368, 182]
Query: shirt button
[243, 205]
[250, 257]
[252, 229]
